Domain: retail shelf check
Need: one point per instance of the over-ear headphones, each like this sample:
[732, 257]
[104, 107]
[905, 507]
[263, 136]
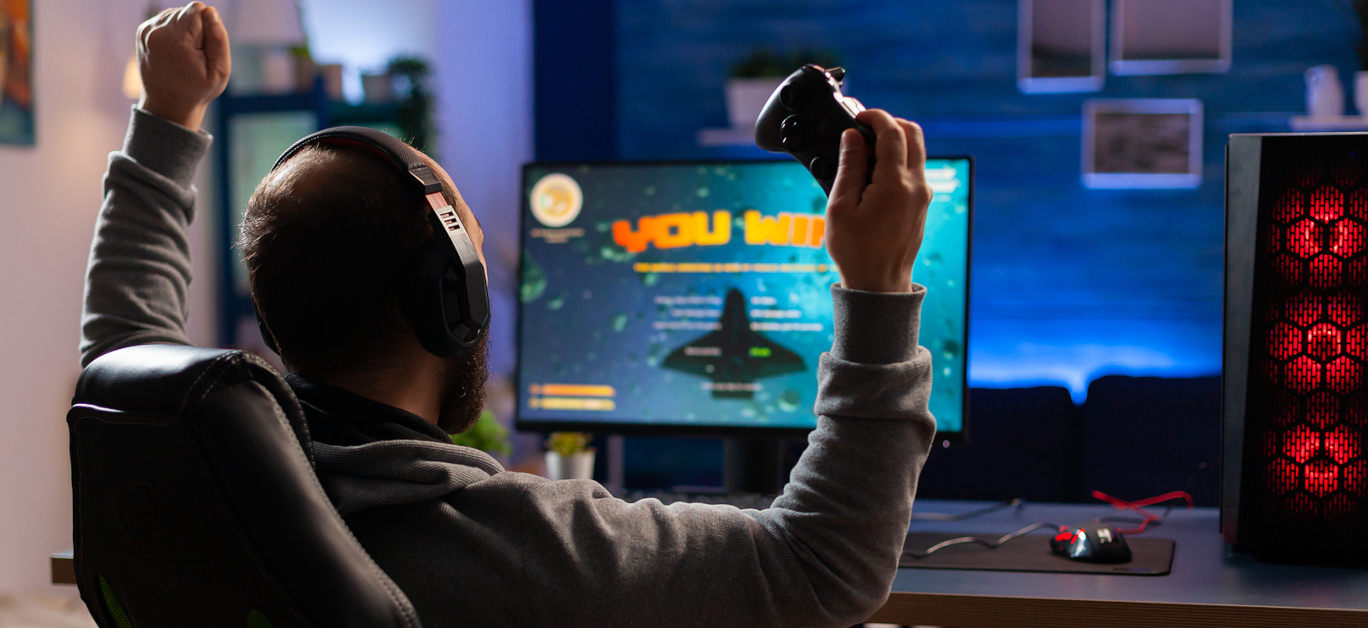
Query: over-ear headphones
[447, 298]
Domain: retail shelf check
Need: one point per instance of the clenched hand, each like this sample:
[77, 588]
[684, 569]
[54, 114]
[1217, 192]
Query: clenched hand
[184, 60]
[874, 231]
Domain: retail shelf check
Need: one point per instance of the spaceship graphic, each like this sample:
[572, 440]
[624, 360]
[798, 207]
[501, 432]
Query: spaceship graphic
[734, 356]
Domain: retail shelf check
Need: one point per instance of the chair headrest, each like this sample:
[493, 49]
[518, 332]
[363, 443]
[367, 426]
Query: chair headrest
[171, 378]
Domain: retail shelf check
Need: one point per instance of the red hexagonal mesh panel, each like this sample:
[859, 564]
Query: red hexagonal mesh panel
[1306, 451]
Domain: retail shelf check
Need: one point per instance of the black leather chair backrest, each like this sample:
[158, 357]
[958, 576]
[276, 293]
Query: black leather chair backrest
[196, 505]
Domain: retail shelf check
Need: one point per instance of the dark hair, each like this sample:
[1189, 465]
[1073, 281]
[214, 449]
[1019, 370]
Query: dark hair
[327, 238]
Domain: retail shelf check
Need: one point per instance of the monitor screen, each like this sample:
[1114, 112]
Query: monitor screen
[696, 296]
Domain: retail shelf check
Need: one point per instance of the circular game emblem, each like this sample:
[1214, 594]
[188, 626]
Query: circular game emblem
[556, 200]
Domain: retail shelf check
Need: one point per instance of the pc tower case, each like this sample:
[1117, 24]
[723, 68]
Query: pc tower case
[1295, 377]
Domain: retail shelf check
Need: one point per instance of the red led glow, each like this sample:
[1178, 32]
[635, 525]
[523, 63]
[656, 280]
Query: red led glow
[1346, 239]
[1356, 271]
[1324, 342]
[1301, 444]
[1289, 207]
[1345, 310]
[1343, 445]
[1358, 204]
[1304, 309]
[1356, 342]
[1305, 238]
[1343, 375]
[1322, 477]
[1312, 438]
[1326, 271]
[1285, 341]
[1303, 374]
[1327, 204]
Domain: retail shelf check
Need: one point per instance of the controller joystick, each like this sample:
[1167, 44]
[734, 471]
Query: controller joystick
[805, 117]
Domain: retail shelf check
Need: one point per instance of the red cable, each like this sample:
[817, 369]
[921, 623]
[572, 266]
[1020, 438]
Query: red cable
[1138, 505]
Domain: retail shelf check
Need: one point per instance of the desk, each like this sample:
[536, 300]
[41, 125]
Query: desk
[1208, 585]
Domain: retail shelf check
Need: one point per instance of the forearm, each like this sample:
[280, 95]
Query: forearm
[846, 508]
[138, 275]
[823, 554]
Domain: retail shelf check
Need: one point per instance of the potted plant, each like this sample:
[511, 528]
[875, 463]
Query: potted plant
[413, 113]
[757, 75]
[569, 456]
[486, 435]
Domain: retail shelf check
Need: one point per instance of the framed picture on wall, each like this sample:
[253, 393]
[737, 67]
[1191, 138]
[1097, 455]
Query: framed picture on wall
[1170, 36]
[1061, 45]
[1142, 143]
[16, 72]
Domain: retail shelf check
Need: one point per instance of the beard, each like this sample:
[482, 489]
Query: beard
[464, 395]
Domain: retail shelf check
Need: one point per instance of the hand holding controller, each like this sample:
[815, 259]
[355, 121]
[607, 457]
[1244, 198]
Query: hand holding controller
[805, 118]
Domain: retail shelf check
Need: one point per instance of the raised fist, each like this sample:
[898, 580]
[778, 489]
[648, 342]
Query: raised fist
[184, 60]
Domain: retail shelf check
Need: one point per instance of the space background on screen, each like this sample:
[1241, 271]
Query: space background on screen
[628, 270]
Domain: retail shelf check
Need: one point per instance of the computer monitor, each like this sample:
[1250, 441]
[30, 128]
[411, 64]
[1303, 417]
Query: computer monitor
[695, 297]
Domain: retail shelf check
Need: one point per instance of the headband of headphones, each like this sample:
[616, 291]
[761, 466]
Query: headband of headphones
[447, 298]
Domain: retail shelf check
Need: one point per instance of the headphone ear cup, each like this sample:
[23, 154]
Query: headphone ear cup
[266, 335]
[425, 302]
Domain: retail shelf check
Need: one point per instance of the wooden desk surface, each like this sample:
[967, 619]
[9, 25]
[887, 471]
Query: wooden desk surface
[1208, 585]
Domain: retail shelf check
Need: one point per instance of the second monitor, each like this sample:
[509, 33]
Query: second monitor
[668, 297]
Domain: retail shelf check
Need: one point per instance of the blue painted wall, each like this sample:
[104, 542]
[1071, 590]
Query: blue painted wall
[1068, 284]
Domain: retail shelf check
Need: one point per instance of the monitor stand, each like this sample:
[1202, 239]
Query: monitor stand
[756, 465]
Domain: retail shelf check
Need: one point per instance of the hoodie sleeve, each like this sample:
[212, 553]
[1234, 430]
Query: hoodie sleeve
[825, 552]
[138, 274]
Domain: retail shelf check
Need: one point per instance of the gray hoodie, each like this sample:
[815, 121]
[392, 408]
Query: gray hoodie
[473, 544]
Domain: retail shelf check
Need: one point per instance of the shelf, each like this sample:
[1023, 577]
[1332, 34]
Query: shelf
[726, 137]
[1338, 123]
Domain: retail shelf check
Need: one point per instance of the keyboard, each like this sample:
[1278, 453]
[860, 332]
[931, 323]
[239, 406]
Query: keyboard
[758, 501]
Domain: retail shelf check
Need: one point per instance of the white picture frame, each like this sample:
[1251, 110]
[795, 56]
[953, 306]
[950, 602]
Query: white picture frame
[1142, 143]
[1061, 45]
[1170, 36]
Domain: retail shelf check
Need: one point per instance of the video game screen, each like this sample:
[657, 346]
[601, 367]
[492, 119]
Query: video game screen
[696, 296]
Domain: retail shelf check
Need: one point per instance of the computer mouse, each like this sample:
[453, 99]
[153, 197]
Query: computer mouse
[1093, 542]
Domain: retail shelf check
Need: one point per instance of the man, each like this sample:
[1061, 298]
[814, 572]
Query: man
[326, 234]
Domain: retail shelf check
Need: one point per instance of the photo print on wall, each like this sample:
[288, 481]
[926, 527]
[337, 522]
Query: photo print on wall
[16, 72]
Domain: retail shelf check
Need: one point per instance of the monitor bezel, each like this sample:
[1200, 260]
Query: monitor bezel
[943, 439]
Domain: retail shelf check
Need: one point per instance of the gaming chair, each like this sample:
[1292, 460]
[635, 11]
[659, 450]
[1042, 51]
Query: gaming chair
[196, 502]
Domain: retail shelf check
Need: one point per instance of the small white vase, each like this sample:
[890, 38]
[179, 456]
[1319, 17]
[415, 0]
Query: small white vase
[1361, 92]
[578, 466]
[1324, 93]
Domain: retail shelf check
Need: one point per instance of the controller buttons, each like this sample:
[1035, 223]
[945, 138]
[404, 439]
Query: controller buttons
[823, 168]
[792, 134]
[788, 94]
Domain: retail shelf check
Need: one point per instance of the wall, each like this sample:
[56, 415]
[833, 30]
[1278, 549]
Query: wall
[1068, 283]
[484, 110]
[50, 195]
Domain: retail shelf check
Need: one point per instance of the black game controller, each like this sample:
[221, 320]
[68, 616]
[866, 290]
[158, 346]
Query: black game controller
[805, 118]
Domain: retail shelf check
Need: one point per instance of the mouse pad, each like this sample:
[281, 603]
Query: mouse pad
[1149, 556]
